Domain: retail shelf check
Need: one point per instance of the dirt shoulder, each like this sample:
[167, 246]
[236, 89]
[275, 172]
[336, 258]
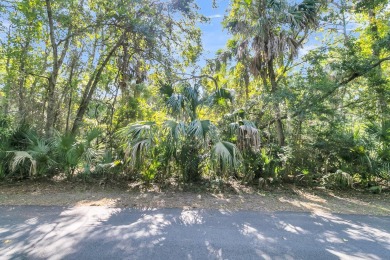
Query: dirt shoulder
[288, 198]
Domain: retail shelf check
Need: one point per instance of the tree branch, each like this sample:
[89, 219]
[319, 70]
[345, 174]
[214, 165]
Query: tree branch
[92, 84]
[329, 93]
[202, 76]
[353, 76]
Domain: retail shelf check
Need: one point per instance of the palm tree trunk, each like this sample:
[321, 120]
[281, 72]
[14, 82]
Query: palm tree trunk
[278, 118]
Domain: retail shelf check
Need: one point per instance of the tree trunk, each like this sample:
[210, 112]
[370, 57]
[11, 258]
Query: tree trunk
[92, 85]
[57, 63]
[344, 21]
[124, 76]
[50, 113]
[380, 89]
[7, 85]
[246, 82]
[279, 126]
[22, 80]
[278, 118]
[70, 97]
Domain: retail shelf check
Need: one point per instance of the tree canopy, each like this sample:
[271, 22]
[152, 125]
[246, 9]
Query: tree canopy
[114, 89]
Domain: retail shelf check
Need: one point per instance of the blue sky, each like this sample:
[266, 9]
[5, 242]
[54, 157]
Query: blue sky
[214, 37]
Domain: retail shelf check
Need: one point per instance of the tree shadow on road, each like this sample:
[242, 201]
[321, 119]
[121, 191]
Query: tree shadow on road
[28, 232]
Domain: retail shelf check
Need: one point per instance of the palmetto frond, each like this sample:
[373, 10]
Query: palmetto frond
[39, 148]
[63, 143]
[233, 127]
[93, 134]
[138, 138]
[194, 100]
[73, 155]
[90, 154]
[248, 137]
[192, 93]
[176, 103]
[139, 149]
[175, 129]
[19, 158]
[70, 152]
[202, 130]
[65, 146]
[136, 130]
[225, 155]
[273, 28]
[381, 132]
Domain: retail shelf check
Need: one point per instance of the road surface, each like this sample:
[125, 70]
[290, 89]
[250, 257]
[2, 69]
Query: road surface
[30, 232]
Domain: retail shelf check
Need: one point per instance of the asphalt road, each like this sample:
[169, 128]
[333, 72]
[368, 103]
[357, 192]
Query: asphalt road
[29, 232]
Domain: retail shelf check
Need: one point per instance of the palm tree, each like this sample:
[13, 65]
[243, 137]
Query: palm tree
[185, 140]
[270, 32]
[61, 153]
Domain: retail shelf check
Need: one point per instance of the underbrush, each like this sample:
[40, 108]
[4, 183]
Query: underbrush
[171, 156]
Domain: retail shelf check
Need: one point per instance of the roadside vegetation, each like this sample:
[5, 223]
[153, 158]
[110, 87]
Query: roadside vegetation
[112, 91]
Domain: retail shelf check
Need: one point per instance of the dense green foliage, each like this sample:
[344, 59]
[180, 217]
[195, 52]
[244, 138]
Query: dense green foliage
[103, 89]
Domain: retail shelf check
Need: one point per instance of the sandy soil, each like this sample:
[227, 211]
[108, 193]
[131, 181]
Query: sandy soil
[287, 198]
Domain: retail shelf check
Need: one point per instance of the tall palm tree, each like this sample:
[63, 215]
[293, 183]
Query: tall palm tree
[270, 32]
